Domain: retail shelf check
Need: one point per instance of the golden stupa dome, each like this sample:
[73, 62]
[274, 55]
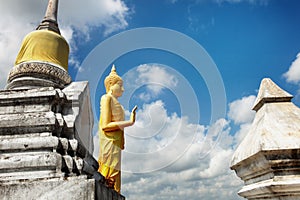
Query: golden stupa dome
[43, 57]
[46, 43]
[45, 46]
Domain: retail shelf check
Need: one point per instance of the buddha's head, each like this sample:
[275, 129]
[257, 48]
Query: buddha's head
[114, 83]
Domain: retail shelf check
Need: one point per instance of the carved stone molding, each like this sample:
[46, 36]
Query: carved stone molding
[40, 70]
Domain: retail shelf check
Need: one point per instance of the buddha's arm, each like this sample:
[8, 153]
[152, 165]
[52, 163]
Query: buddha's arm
[107, 124]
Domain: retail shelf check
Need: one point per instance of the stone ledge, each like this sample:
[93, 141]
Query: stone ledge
[41, 107]
[27, 123]
[33, 161]
[285, 187]
[31, 100]
[26, 135]
[29, 95]
[19, 177]
[69, 188]
[266, 165]
[18, 144]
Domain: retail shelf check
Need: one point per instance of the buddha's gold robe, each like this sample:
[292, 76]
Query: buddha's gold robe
[111, 143]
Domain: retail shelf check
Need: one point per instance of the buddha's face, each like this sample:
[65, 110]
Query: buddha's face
[117, 89]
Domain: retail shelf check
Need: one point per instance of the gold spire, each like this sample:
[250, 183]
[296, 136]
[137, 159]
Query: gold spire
[50, 20]
[113, 70]
[112, 78]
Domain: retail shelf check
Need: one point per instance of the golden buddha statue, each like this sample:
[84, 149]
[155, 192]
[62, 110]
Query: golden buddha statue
[111, 130]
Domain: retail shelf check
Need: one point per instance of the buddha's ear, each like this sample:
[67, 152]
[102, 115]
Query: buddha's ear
[110, 86]
[107, 85]
[110, 83]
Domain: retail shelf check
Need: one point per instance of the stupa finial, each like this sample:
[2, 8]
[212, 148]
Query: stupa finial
[50, 20]
[270, 92]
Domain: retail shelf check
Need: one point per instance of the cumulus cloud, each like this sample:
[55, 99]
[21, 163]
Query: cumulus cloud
[200, 172]
[156, 78]
[218, 163]
[240, 111]
[18, 17]
[293, 74]
[167, 157]
[158, 139]
[144, 96]
[150, 82]
[161, 186]
[83, 15]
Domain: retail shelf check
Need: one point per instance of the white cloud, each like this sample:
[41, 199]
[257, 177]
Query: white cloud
[158, 139]
[240, 111]
[218, 163]
[156, 78]
[198, 158]
[82, 15]
[146, 97]
[11, 35]
[165, 153]
[192, 176]
[161, 186]
[19, 17]
[293, 74]
[216, 128]
[150, 82]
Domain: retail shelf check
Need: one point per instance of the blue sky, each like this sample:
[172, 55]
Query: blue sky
[177, 148]
[246, 40]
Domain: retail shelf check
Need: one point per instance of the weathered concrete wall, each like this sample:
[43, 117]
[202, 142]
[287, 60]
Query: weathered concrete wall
[46, 143]
[76, 188]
